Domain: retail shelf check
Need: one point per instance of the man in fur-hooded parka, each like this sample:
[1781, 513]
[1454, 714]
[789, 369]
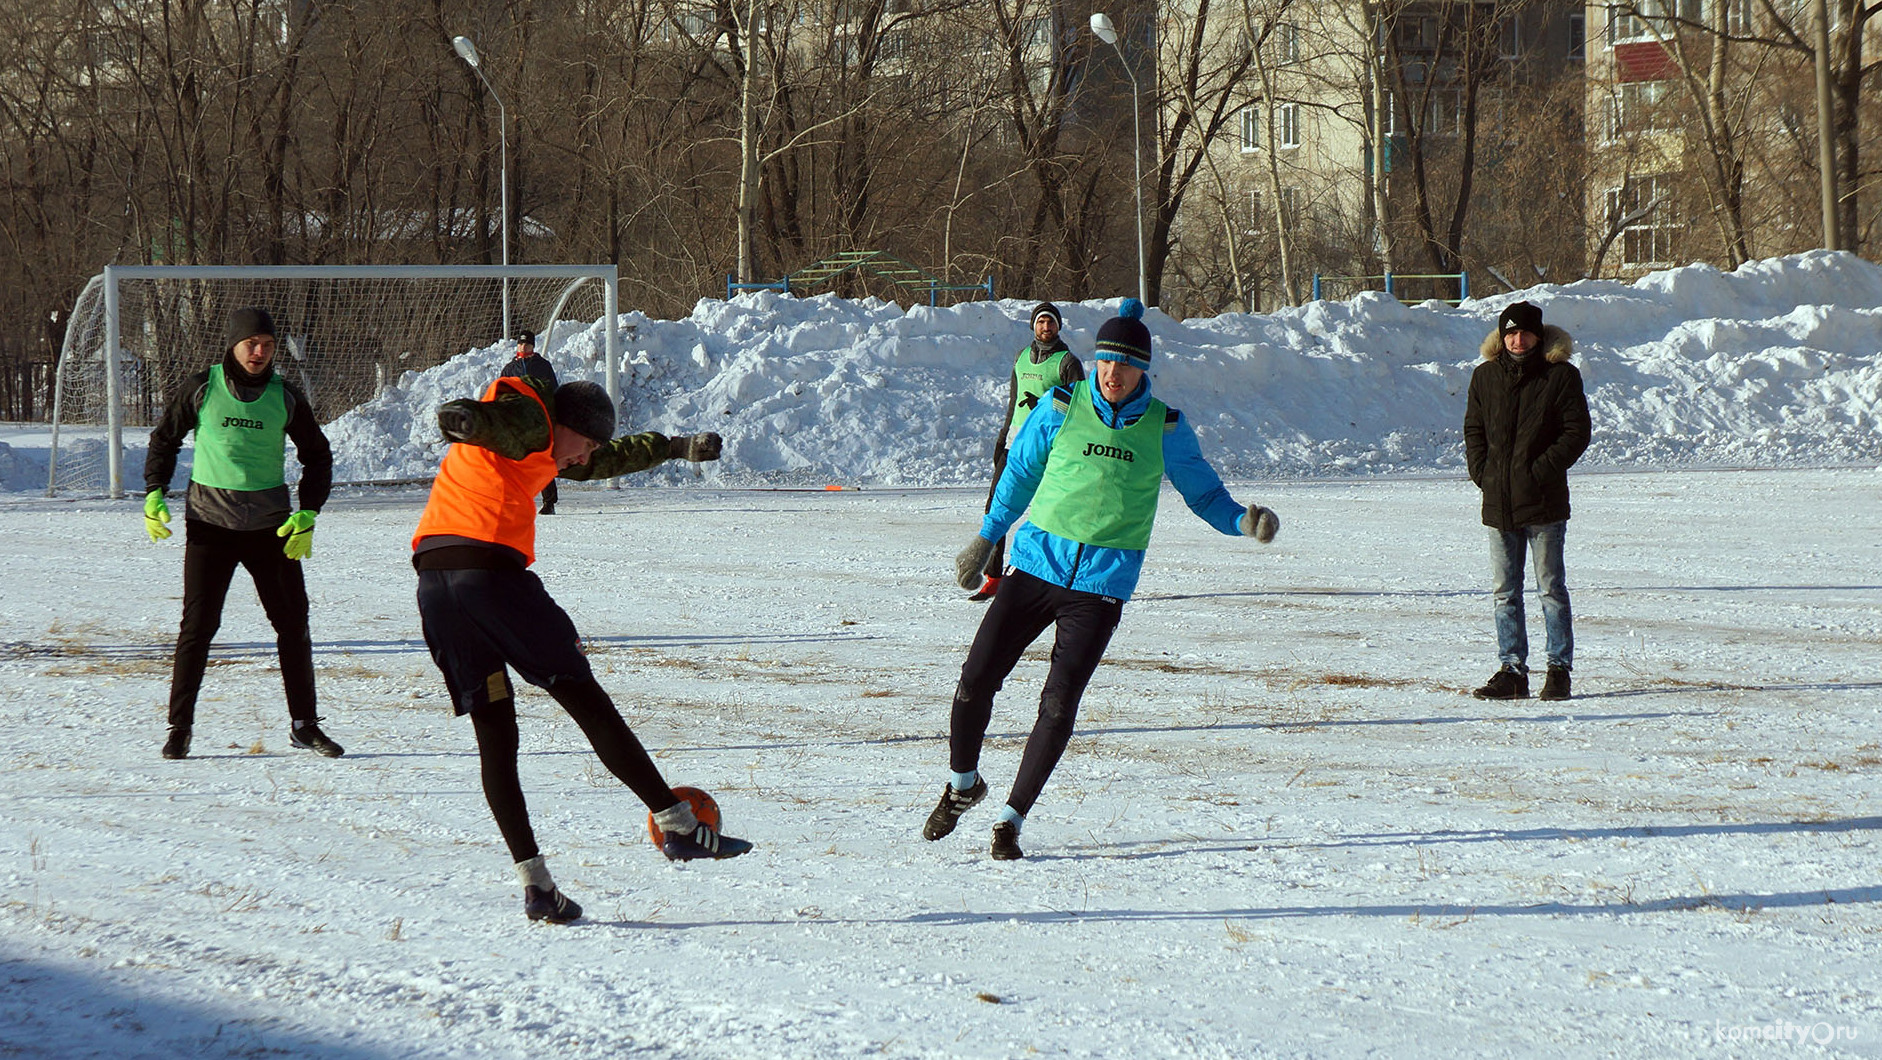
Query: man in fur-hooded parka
[1526, 421]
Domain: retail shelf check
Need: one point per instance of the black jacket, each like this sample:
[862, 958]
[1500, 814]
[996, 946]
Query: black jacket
[1525, 425]
[240, 509]
[534, 366]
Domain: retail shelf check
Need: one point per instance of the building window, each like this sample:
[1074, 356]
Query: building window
[1738, 16]
[1445, 116]
[1290, 208]
[1510, 39]
[1287, 42]
[1254, 209]
[1287, 116]
[1636, 107]
[1416, 33]
[1251, 128]
[1650, 235]
[1577, 36]
[1649, 19]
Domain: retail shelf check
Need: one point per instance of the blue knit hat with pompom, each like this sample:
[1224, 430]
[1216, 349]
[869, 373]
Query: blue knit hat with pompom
[1124, 337]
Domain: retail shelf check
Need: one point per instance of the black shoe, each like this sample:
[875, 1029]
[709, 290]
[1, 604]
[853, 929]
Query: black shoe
[701, 842]
[1006, 842]
[1506, 683]
[551, 905]
[948, 813]
[178, 745]
[547, 509]
[309, 738]
[1555, 686]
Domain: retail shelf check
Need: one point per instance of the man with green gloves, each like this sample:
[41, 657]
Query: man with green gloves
[238, 513]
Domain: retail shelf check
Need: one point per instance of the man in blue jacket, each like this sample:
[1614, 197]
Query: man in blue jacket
[1086, 468]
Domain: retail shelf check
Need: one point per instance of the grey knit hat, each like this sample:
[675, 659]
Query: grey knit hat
[246, 323]
[586, 409]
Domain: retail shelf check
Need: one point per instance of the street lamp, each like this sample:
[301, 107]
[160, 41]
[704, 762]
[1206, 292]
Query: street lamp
[468, 52]
[1101, 25]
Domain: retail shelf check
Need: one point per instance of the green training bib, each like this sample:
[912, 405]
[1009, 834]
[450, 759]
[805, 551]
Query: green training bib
[1033, 382]
[241, 445]
[1101, 483]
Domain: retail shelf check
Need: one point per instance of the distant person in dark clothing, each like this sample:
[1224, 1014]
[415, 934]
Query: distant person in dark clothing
[1044, 363]
[238, 510]
[1525, 424]
[528, 364]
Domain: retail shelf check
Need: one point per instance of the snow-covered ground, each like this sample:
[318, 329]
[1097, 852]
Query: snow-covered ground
[1283, 829]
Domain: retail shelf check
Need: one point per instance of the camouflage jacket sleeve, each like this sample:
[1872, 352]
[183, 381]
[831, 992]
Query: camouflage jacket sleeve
[512, 426]
[623, 456]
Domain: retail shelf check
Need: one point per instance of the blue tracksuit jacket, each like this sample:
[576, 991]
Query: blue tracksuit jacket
[1109, 572]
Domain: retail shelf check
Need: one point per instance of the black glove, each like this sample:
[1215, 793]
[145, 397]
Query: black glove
[1260, 523]
[454, 420]
[695, 447]
[973, 558]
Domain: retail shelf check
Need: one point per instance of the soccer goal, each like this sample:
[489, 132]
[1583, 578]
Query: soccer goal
[342, 332]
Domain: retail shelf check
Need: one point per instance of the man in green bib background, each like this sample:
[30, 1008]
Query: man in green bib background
[1085, 469]
[1045, 363]
[238, 512]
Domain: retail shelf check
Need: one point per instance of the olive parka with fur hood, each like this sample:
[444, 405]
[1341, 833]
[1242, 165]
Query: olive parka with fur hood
[1525, 424]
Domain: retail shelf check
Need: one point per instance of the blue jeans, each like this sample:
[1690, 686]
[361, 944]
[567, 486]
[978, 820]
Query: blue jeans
[1544, 540]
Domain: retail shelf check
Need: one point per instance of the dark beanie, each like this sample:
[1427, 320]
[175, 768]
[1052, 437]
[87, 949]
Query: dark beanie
[1046, 309]
[586, 409]
[246, 323]
[1124, 337]
[1520, 316]
[525, 337]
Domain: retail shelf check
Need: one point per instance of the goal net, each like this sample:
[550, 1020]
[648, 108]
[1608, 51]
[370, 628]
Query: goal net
[342, 334]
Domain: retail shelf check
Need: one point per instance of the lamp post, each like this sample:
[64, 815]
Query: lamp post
[468, 52]
[1106, 32]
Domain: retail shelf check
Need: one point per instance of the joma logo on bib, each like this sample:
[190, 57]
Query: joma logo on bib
[1112, 451]
[237, 421]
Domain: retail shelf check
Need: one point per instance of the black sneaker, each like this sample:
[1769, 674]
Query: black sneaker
[701, 842]
[309, 738]
[547, 509]
[178, 745]
[948, 812]
[1506, 683]
[1555, 685]
[1006, 842]
[551, 905]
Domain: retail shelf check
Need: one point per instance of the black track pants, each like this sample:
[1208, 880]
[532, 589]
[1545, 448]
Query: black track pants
[476, 623]
[210, 556]
[1020, 611]
[498, 747]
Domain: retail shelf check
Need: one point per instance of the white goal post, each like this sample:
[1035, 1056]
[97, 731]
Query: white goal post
[343, 332]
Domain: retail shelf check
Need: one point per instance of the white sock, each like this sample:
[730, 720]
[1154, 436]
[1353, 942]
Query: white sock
[535, 874]
[677, 818]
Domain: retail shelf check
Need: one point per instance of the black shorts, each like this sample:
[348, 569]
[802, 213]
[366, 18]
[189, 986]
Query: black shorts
[477, 622]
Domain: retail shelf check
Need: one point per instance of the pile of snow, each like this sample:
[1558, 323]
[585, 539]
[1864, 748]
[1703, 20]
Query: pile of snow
[1773, 364]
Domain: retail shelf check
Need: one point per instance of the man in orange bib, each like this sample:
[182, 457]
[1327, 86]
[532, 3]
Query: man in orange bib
[485, 613]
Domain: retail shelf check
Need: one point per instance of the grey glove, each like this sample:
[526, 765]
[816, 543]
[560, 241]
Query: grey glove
[973, 558]
[695, 447]
[1260, 523]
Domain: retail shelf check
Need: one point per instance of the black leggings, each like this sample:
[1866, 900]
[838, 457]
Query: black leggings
[614, 743]
[210, 556]
[1020, 611]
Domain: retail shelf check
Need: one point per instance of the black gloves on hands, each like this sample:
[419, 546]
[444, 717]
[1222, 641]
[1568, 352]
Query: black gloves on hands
[455, 421]
[1260, 523]
[695, 447]
[973, 558]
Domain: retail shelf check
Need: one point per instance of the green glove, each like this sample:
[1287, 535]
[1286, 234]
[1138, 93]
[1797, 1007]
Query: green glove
[156, 513]
[299, 530]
